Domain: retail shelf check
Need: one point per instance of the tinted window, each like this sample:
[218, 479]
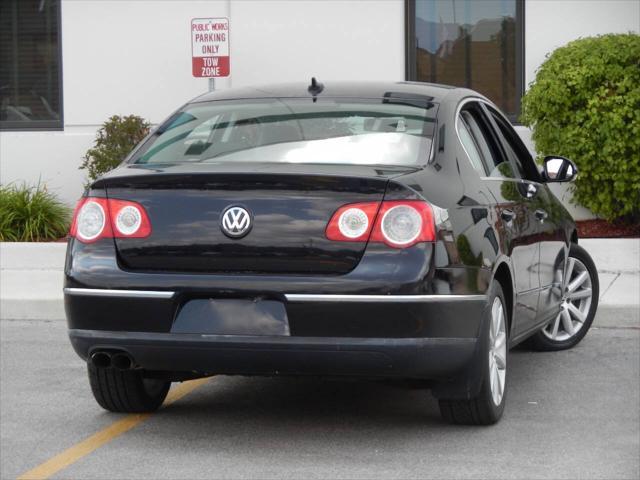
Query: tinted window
[516, 151]
[30, 64]
[469, 43]
[471, 145]
[478, 135]
[345, 131]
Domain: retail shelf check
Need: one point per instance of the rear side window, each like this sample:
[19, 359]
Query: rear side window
[480, 145]
[471, 145]
[515, 149]
[383, 131]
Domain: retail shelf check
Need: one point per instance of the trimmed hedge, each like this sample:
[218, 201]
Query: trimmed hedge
[585, 104]
[114, 141]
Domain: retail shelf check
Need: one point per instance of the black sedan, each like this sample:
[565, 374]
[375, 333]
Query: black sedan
[381, 230]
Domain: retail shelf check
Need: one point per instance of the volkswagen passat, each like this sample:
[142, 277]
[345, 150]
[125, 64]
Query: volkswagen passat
[385, 230]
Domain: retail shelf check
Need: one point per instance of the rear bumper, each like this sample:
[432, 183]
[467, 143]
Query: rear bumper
[424, 358]
[392, 316]
[431, 337]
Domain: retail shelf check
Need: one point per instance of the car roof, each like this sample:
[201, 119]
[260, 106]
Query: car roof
[367, 89]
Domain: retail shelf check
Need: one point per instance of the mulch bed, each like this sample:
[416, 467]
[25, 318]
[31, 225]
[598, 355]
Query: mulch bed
[603, 229]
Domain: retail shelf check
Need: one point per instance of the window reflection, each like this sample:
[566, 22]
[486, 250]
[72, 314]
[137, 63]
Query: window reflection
[388, 131]
[29, 64]
[469, 43]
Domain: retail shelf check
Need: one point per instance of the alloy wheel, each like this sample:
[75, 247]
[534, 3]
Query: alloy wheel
[576, 300]
[497, 352]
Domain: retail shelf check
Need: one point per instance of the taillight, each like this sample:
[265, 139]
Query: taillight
[352, 223]
[97, 218]
[130, 219]
[397, 223]
[402, 224]
[91, 220]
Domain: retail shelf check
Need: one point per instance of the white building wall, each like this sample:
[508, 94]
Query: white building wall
[134, 57]
[276, 41]
[118, 58]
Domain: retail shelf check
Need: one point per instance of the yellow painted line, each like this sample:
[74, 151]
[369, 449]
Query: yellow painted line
[104, 436]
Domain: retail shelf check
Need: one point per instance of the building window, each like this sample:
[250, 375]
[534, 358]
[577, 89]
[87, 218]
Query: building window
[469, 43]
[30, 65]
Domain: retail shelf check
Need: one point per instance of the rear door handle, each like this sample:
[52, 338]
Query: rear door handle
[541, 215]
[507, 215]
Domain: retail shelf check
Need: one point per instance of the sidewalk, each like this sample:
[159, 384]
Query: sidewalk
[618, 264]
[31, 277]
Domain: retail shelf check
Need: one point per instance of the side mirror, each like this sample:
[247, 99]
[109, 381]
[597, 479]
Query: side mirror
[558, 169]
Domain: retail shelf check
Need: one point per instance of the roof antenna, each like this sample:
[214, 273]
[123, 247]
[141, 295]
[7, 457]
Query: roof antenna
[315, 88]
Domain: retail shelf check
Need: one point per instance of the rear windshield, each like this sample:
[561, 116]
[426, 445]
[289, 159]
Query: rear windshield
[385, 131]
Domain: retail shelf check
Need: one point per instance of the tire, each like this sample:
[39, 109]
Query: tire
[126, 391]
[545, 340]
[484, 409]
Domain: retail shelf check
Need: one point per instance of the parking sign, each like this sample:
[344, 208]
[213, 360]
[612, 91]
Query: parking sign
[210, 47]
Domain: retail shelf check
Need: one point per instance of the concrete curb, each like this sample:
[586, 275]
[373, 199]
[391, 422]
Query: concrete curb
[32, 255]
[31, 277]
[45, 309]
[31, 280]
[617, 317]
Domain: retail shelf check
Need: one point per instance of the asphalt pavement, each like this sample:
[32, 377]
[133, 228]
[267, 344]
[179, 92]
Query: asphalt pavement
[571, 414]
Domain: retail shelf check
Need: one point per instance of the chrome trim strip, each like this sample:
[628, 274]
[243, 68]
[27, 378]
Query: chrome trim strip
[304, 297]
[101, 292]
[291, 297]
[462, 103]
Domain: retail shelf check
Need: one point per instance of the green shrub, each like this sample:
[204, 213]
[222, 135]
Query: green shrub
[31, 214]
[115, 139]
[585, 105]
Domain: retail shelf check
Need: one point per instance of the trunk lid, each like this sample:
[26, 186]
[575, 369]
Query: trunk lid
[290, 206]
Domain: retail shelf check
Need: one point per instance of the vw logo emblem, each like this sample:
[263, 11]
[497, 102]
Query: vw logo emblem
[235, 222]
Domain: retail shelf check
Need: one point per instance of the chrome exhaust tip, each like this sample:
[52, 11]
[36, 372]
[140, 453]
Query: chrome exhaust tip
[122, 361]
[101, 359]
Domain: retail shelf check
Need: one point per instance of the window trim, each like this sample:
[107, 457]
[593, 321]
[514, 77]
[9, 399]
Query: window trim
[492, 111]
[482, 103]
[410, 57]
[44, 125]
[481, 168]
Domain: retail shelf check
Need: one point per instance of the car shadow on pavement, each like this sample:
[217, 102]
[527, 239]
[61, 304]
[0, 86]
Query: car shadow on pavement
[319, 401]
[308, 400]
